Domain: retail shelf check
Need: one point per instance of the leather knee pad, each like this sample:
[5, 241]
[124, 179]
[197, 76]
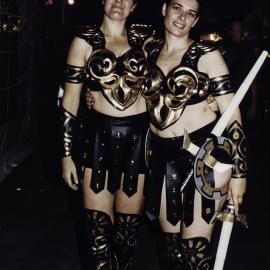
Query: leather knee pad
[196, 253]
[126, 231]
[99, 231]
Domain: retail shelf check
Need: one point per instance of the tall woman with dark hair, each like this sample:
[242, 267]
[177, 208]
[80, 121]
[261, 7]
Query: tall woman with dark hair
[109, 60]
[182, 72]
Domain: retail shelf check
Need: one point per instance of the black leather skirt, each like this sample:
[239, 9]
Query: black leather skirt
[170, 162]
[116, 145]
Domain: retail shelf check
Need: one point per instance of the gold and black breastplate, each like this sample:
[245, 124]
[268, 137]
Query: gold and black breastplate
[167, 96]
[119, 78]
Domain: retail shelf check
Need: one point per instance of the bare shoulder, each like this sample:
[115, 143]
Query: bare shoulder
[213, 64]
[79, 51]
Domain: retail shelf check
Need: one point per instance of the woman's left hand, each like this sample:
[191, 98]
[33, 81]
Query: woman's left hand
[89, 99]
[237, 189]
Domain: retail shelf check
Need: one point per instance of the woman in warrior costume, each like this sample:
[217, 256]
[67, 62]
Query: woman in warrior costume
[110, 61]
[182, 72]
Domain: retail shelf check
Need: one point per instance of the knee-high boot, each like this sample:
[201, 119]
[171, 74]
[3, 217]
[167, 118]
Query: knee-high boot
[126, 231]
[196, 252]
[173, 253]
[99, 230]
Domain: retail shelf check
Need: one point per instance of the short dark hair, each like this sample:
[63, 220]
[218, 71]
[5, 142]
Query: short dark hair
[169, 1]
[199, 2]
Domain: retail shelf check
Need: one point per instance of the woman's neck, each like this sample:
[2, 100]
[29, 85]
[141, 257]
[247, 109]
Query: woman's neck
[173, 43]
[113, 28]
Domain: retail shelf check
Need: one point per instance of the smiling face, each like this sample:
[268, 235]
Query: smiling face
[118, 9]
[180, 16]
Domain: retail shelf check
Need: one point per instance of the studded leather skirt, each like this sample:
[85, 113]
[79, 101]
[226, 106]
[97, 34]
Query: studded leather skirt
[116, 145]
[170, 162]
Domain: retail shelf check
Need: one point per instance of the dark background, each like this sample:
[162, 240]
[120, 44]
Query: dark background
[38, 216]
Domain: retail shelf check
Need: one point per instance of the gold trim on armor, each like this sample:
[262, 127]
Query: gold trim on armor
[221, 85]
[238, 140]
[68, 121]
[74, 74]
[167, 102]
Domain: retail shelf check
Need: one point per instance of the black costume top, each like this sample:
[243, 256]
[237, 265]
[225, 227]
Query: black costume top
[167, 96]
[117, 77]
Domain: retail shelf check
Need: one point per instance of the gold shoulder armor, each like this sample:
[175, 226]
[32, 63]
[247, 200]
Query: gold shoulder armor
[153, 46]
[139, 33]
[91, 34]
[207, 46]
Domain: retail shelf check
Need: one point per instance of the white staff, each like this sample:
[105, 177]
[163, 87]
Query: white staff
[228, 216]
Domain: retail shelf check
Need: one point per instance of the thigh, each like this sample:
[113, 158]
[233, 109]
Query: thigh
[133, 204]
[200, 228]
[102, 201]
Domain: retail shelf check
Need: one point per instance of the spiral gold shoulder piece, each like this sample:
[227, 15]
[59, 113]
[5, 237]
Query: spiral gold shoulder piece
[206, 47]
[91, 34]
[154, 46]
[139, 33]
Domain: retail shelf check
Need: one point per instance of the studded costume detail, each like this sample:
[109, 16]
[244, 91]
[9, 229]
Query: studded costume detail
[116, 145]
[196, 253]
[176, 164]
[117, 77]
[126, 228]
[238, 140]
[99, 229]
[168, 95]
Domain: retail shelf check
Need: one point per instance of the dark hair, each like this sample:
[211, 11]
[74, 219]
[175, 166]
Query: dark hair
[169, 1]
[199, 2]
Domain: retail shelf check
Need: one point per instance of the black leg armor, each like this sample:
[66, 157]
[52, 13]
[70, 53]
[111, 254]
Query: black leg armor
[196, 253]
[125, 239]
[99, 229]
[173, 253]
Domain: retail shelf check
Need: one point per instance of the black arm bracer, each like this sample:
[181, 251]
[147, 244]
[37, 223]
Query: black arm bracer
[238, 139]
[74, 74]
[68, 128]
[221, 85]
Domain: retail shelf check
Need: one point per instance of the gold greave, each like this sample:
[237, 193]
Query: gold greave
[173, 254]
[125, 239]
[99, 230]
[196, 253]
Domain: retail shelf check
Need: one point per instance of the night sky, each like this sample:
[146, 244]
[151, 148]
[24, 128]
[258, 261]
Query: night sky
[149, 11]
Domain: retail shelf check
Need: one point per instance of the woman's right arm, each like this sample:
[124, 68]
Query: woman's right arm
[74, 77]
